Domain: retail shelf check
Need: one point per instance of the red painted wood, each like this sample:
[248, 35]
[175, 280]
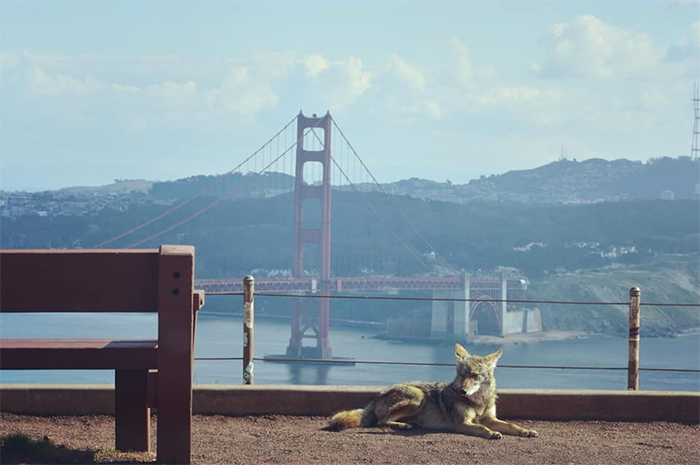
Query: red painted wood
[175, 353]
[132, 414]
[45, 354]
[78, 280]
[115, 281]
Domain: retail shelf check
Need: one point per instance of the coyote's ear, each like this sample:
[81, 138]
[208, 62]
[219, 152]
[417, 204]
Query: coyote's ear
[493, 358]
[460, 352]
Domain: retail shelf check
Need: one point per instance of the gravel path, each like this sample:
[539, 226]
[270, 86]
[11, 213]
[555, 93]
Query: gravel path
[302, 440]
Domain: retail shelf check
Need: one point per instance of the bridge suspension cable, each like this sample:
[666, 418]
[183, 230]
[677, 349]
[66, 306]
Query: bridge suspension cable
[387, 196]
[369, 205]
[220, 199]
[269, 145]
[379, 217]
[218, 180]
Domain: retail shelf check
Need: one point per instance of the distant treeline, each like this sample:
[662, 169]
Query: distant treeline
[238, 236]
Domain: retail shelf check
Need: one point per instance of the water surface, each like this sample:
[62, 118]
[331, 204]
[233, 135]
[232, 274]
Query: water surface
[220, 335]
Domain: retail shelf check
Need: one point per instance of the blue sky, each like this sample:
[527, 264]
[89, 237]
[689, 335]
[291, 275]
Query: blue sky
[93, 91]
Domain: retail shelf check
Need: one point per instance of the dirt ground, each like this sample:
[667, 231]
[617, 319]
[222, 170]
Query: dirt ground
[302, 440]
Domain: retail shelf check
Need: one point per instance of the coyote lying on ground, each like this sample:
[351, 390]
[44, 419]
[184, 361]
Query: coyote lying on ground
[467, 405]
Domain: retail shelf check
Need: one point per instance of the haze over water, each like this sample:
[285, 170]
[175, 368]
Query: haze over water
[220, 335]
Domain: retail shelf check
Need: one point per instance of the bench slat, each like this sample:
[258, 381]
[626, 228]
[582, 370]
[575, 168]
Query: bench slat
[79, 281]
[78, 354]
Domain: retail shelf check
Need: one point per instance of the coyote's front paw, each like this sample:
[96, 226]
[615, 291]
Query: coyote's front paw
[529, 433]
[399, 425]
[494, 435]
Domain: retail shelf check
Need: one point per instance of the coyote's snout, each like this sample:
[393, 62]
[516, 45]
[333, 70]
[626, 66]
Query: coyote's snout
[467, 405]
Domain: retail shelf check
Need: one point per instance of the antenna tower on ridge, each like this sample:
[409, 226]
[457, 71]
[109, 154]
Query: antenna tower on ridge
[694, 149]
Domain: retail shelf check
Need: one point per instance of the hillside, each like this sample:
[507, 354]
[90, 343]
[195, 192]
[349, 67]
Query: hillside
[567, 181]
[663, 278]
[563, 181]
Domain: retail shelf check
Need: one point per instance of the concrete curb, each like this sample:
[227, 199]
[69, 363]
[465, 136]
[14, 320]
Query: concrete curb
[536, 404]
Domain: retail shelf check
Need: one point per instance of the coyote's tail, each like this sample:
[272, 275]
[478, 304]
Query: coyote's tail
[353, 418]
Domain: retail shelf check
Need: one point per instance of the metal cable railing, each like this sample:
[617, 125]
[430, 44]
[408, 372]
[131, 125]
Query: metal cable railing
[451, 299]
[633, 367]
[436, 364]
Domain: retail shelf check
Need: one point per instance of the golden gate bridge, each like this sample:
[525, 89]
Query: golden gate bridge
[319, 166]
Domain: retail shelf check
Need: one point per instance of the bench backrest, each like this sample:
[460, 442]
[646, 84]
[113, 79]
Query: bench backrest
[95, 280]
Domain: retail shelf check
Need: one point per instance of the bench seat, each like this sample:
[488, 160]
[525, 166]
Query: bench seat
[77, 354]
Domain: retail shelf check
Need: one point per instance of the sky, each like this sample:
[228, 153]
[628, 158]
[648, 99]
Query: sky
[92, 91]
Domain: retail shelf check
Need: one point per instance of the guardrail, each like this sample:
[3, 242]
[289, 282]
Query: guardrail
[632, 368]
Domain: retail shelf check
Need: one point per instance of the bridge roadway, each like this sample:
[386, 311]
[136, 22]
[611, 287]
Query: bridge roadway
[347, 284]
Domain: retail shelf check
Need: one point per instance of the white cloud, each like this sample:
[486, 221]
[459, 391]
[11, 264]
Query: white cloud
[406, 73]
[695, 34]
[315, 64]
[688, 46]
[652, 100]
[337, 83]
[9, 60]
[126, 89]
[589, 47]
[174, 93]
[43, 82]
[414, 108]
[464, 66]
[131, 66]
[486, 72]
[405, 91]
[8, 63]
[243, 94]
[242, 90]
[541, 106]
[238, 97]
[517, 95]
[273, 65]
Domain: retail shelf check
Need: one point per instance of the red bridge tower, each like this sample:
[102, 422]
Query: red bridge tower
[310, 320]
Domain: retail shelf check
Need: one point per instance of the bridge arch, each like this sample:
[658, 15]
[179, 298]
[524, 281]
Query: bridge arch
[485, 315]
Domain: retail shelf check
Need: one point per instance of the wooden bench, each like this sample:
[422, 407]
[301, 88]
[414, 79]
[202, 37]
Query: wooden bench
[148, 373]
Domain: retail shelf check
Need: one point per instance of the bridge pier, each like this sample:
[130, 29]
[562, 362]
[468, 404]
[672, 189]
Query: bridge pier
[450, 319]
[313, 328]
[504, 306]
[488, 313]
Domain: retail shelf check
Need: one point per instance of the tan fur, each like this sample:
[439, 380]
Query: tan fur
[346, 419]
[467, 405]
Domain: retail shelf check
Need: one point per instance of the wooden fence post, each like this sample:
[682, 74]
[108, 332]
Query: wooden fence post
[633, 358]
[248, 323]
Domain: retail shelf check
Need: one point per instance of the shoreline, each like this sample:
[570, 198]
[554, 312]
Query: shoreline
[517, 338]
[377, 325]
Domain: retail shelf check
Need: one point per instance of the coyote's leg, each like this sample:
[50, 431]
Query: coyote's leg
[474, 429]
[396, 405]
[398, 425]
[508, 428]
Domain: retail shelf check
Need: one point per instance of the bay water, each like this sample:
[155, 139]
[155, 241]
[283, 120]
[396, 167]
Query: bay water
[221, 334]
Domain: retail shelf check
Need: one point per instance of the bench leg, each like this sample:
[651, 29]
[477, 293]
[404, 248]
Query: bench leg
[133, 416]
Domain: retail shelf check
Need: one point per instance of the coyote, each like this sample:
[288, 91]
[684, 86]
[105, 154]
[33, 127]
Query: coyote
[467, 405]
